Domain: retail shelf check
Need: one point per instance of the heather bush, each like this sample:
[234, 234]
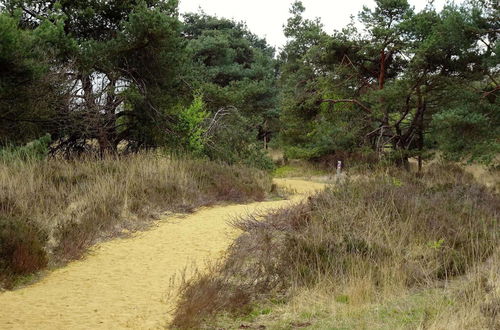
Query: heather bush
[387, 233]
[59, 207]
[21, 248]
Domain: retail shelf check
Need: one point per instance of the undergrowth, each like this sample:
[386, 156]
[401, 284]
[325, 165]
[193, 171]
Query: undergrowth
[52, 210]
[364, 243]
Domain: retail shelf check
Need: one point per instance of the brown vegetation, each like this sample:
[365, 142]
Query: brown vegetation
[52, 211]
[362, 241]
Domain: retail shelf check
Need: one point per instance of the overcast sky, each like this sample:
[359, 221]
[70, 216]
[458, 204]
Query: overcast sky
[266, 17]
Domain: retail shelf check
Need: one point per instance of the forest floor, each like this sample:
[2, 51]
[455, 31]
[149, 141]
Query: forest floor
[125, 283]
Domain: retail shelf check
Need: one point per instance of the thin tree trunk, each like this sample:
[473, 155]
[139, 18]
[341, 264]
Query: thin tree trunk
[381, 77]
[385, 120]
[421, 105]
[264, 129]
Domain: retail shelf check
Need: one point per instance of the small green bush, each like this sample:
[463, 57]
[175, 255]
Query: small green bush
[191, 126]
[35, 150]
[233, 141]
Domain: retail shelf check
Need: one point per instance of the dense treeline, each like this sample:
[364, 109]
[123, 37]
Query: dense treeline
[395, 81]
[121, 76]
[127, 75]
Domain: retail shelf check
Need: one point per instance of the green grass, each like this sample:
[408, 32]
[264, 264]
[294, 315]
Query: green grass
[311, 309]
[299, 170]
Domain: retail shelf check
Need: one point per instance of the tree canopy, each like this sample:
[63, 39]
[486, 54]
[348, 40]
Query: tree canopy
[406, 83]
[117, 76]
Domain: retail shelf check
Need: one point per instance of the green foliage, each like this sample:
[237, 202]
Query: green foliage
[233, 141]
[126, 71]
[98, 75]
[117, 66]
[34, 150]
[468, 129]
[310, 129]
[192, 126]
[233, 68]
[413, 81]
[255, 156]
[27, 94]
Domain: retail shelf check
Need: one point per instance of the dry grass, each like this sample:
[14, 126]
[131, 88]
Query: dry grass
[54, 210]
[465, 302]
[391, 251]
[490, 177]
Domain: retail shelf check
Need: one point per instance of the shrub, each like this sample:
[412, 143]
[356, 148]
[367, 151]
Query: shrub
[390, 232]
[21, 248]
[232, 140]
[35, 150]
[190, 126]
[80, 202]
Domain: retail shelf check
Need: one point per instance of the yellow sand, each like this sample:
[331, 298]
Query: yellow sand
[124, 283]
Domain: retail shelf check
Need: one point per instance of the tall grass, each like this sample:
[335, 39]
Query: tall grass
[35, 150]
[363, 241]
[52, 210]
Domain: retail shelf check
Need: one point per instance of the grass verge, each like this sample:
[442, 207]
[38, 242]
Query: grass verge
[51, 211]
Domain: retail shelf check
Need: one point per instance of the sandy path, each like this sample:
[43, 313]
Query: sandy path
[123, 283]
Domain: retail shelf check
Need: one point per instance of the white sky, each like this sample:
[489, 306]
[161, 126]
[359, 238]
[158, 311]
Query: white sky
[266, 17]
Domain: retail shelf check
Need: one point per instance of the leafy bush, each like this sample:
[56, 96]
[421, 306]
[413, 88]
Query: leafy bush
[226, 136]
[35, 150]
[191, 125]
[233, 141]
[468, 130]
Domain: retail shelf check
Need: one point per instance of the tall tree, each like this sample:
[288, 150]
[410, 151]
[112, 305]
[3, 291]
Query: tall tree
[402, 75]
[233, 68]
[28, 89]
[122, 60]
[301, 118]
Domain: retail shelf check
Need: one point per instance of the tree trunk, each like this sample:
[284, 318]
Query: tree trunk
[420, 128]
[264, 129]
[381, 77]
[102, 117]
[385, 120]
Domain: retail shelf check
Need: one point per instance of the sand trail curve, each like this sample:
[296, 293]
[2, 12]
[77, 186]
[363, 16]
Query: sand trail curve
[122, 284]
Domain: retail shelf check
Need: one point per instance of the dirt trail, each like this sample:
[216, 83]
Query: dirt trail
[123, 283]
